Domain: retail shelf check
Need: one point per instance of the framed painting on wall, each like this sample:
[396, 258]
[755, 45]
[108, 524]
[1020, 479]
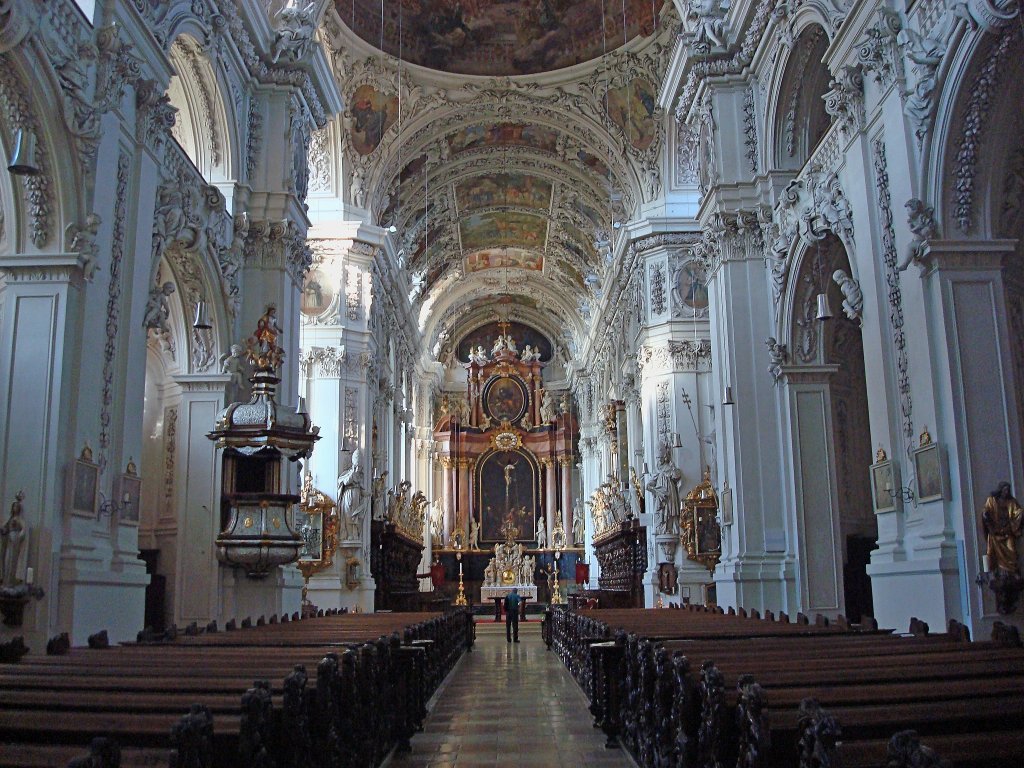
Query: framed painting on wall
[885, 486]
[129, 492]
[84, 490]
[931, 474]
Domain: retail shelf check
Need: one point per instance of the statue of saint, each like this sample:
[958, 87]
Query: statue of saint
[542, 535]
[474, 534]
[350, 497]
[665, 487]
[1002, 520]
[548, 408]
[11, 537]
[267, 329]
[578, 523]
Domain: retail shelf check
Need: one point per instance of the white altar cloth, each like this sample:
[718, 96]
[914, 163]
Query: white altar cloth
[489, 593]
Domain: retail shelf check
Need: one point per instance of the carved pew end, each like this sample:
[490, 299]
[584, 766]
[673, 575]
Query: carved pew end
[59, 645]
[802, 619]
[100, 640]
[231, 626]
[820, 620]
[905, 750]
[247, 622]
[103, 753]
[868, 623]
[11, 652]
[918, 628]
[1005, 635]
[959, 631]
[192, 629]
[211, 627]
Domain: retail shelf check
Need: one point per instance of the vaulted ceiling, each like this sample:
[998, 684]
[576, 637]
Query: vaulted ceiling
[505, 193]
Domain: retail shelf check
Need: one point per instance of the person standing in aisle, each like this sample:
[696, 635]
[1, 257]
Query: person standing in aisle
[512, 616]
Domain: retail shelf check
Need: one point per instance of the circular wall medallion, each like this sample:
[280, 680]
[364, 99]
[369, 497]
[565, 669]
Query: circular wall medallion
[505, 399]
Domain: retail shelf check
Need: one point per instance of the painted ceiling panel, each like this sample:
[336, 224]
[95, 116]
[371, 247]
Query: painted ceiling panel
[498, 37]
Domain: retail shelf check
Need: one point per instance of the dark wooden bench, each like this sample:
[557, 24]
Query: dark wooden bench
[363, 691]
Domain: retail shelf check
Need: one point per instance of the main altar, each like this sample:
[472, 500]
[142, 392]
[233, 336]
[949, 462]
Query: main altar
[510, 568]
[506, 450]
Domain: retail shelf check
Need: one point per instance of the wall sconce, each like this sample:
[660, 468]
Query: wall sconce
[112, 507]
[727, 396]
[24, 161]
[202, 319]
[903, 492]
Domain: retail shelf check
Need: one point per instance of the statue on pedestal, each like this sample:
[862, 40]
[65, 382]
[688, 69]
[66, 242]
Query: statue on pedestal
[474, 534]
[665, 487]
[578, 524]
[542, 535]
[12, 535]
[1002, 520]
[350, 498]
[548, 408]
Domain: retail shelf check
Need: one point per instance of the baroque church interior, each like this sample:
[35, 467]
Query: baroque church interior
[623, 304]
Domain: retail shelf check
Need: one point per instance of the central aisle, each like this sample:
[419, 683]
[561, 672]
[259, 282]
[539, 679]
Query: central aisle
[510, 705]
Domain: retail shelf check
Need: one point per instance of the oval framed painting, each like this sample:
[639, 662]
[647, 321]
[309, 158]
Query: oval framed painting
[505, 399]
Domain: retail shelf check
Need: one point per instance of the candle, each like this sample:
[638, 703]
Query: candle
[30, 575]
[984, 563]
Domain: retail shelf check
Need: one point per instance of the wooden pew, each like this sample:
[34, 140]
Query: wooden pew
[734, 690]
[381, 670]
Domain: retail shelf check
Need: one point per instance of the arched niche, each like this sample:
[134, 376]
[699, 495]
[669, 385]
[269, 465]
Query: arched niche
[830, 432]
[201, 124]
[800, 117]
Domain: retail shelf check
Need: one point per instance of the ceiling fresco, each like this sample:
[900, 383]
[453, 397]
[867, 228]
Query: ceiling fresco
[498, 37]
[487, 230]
[632, 109]
[514, 189]
[373, 113]
[501, 258]
[503, 134]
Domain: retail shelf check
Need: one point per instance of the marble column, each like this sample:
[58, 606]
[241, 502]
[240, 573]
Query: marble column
[447, 496]
[565, 463]
[551, 494]
[462, 513]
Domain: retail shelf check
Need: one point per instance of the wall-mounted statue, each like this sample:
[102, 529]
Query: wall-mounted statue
[578, 524]
[665, 487]
[12, 536]
[352, 498]
[1002, 520]
[542, 535]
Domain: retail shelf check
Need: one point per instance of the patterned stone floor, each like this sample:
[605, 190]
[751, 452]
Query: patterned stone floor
[508, 706]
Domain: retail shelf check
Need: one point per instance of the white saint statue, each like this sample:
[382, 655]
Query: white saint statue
[350, 497]
[665, 487]
[12, 534]
[542, 535]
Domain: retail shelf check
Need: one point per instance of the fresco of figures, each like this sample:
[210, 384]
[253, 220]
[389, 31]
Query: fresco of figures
[482, 37]
[500, 258]
[516, 189]
[503, 134]
[486, 230]
[372, 113]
